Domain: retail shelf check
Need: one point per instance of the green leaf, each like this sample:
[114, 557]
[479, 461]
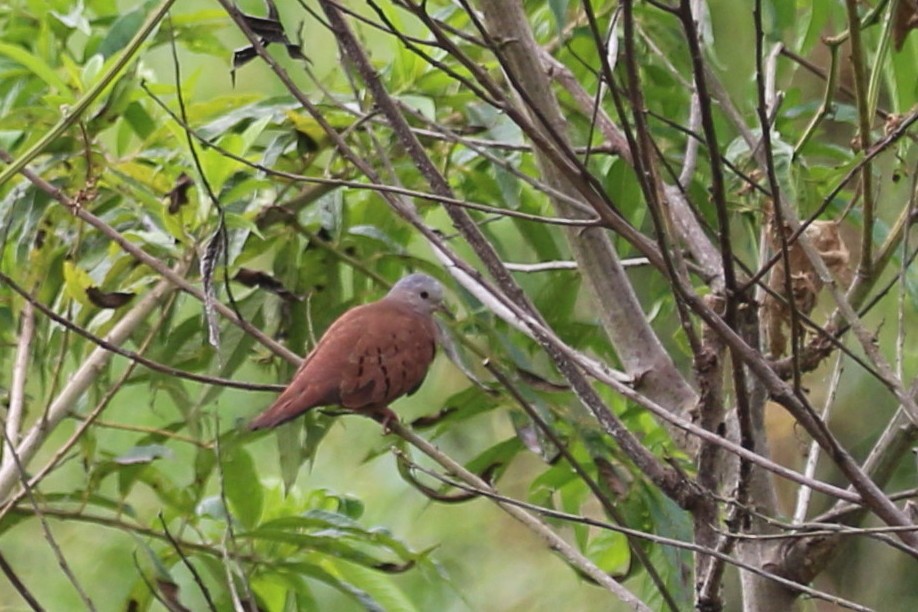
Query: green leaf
[77, 281]
[317, 572]
[290, 451]
[378, 586]
[609, 550]
[498, 456]
[559, 12]
[91, 71]
[144, 454]
[167, 490]
[670, 521]
[324, 522]
[329, 543]
[136, 116]
[464, 405]
[242, 488]
[121, 32]
[36, 67]
[240, 345]
[212, 507]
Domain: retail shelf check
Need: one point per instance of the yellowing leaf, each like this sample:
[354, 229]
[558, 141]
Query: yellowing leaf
[77, 281]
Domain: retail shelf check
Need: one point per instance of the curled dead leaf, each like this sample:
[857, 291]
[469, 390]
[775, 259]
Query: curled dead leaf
[805, 283]
[263, 280]
[108, 299]
[178, 195]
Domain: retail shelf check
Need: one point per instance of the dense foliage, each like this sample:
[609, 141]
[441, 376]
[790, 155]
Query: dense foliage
[650, 359]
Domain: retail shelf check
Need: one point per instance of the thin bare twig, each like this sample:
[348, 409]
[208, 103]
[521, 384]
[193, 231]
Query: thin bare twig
[187, 563]
[46, 529]
[88, 420]
[555, 542]
[133, 356]
[80, 381]
[20, 587]
[151, 261]
[574, 518]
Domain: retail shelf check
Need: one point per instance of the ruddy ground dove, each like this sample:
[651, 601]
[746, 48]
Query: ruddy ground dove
[370, 356]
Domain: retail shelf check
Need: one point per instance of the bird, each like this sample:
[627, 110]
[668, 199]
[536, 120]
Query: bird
[370, 356]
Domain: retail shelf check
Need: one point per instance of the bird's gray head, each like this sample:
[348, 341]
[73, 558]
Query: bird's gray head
[422, 292]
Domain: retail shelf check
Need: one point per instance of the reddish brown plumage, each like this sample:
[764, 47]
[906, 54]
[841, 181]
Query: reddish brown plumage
[369, 357]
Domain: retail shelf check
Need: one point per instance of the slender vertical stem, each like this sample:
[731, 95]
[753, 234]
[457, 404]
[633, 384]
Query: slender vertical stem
[18, 381]
[865, 268]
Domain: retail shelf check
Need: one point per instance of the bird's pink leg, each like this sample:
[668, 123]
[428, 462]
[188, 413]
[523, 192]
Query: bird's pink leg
[385, 416]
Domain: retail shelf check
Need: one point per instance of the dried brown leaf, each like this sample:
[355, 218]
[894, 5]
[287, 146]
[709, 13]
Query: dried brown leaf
[805, 283]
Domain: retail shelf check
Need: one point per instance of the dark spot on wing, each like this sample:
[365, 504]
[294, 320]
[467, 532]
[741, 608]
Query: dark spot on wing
[385, 372]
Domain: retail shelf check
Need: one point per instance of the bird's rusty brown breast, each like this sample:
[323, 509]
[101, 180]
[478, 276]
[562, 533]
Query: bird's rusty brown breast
[389, 356]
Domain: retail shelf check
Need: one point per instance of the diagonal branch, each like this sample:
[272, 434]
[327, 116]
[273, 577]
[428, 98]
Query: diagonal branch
[82, 379]
[620, 312]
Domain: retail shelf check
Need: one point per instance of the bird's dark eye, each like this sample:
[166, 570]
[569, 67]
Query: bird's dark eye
[424, 295]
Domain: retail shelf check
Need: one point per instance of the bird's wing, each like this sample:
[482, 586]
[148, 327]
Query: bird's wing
[318, 379]
[390, 359]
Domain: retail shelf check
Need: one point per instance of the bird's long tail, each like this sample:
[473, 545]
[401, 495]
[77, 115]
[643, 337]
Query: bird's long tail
[279, 413]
